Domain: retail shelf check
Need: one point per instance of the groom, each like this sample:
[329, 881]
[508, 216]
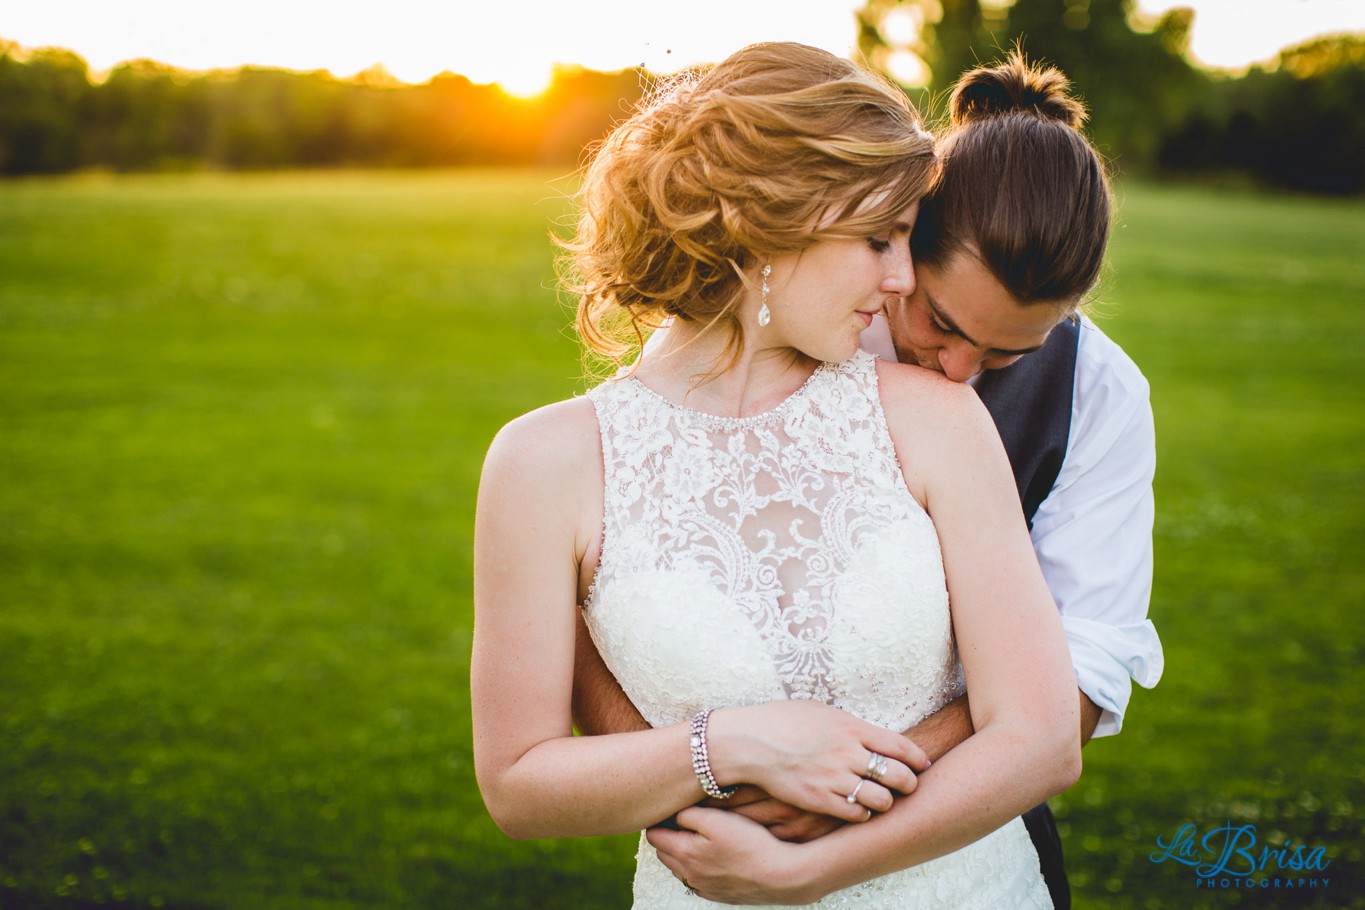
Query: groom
[1073, 413]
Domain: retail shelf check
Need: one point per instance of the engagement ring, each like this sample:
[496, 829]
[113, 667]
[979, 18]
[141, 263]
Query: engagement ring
[876, 767]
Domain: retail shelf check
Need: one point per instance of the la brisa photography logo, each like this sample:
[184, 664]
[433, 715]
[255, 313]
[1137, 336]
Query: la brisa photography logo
[1232, 855]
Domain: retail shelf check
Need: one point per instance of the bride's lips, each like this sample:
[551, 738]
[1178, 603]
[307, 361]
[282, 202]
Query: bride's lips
[866, 316]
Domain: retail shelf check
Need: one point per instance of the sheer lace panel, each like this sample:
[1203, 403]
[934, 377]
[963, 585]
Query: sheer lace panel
[774, 556]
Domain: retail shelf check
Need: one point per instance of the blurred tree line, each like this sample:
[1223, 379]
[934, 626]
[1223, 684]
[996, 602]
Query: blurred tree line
[1296, 123]
[148, 116]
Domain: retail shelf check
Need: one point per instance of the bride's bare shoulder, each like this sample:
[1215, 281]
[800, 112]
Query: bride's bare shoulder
[549, 441]
[920, 396]
[937, 426]
[540, 494]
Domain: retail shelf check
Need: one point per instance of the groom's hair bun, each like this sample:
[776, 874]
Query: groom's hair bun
[1021, 188]
[1015, 85]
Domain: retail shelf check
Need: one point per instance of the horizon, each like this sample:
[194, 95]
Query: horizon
[415, 43]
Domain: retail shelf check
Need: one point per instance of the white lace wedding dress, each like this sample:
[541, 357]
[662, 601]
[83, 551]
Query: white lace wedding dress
[782, 556]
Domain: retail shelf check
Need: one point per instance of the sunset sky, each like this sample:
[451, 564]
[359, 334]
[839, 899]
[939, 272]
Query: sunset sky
[515, 43]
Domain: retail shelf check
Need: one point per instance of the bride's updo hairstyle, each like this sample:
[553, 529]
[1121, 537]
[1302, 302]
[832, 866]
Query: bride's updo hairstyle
[775, 148]
[1021, 188]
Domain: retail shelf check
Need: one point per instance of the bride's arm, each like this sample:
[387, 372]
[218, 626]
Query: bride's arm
[536, 500]
[539, 515]
[1024, 709]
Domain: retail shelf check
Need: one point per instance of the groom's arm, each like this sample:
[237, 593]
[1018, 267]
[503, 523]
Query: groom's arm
[940, 732]
[1093, 532]
[600, 705]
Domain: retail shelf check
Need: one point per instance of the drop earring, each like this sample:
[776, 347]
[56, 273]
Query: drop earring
[764, 314]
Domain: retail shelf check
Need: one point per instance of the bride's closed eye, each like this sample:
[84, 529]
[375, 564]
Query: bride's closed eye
[879, 245]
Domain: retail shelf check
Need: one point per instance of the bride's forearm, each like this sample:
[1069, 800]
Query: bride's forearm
[967, 794]
[585, 786]
[806, 753]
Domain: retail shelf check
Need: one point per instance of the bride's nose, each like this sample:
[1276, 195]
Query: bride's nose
[899, 280]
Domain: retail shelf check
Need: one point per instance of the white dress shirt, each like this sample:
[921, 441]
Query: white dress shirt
[1093, 532]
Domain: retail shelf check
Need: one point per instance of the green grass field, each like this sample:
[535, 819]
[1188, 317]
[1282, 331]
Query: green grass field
[241, 426]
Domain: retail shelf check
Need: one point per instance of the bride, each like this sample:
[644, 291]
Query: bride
[784, 549]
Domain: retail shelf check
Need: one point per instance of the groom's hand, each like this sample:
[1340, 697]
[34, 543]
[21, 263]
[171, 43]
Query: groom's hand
[783, 821]
[723, 857]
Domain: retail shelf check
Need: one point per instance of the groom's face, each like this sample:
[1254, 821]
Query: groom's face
[961, 321]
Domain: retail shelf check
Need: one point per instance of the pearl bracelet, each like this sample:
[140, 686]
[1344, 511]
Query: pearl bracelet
[701, 763]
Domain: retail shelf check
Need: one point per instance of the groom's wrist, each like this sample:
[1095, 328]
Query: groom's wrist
[807, 874]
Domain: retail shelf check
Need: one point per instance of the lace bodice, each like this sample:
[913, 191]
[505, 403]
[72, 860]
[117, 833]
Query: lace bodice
[768, 557]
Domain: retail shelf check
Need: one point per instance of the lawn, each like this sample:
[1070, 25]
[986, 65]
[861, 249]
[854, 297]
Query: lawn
[241, 426]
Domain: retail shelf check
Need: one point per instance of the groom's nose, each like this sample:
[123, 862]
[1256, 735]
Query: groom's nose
[959, 360]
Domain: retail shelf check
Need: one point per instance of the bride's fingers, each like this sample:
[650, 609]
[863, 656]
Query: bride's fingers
[919, 759]
[859, 799]
[889, 772]
[867, 794]
[885, 770]
[894, 745]
[842, 809]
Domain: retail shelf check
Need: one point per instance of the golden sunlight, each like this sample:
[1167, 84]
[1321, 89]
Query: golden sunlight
[516, 44]
[527, 83]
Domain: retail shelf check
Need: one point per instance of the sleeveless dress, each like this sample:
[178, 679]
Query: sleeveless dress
[782, 556]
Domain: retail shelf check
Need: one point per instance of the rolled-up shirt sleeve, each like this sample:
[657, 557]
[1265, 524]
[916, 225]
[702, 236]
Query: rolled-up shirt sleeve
[1093, 533]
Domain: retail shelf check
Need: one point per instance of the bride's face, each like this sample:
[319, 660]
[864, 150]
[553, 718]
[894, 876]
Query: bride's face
[822, 298]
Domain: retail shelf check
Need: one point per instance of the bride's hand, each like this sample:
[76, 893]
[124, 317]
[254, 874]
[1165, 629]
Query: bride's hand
[725, 857]
[813, 756]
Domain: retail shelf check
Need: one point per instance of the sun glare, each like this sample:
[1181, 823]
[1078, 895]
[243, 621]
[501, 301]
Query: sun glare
[527, 83]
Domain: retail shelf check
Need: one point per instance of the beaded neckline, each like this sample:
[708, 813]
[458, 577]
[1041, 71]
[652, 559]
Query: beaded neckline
[717, 422]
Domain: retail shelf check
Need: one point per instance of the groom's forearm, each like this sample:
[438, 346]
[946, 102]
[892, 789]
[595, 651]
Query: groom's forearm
[599, 704]
[952, 724]
[1090, 717]
[944, 729]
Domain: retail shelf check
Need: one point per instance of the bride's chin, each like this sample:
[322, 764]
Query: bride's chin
[840, 354]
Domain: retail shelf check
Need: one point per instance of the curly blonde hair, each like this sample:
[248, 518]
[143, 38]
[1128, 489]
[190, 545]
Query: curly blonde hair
[775, 148]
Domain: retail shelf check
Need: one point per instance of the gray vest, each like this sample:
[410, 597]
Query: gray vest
[1030, 401]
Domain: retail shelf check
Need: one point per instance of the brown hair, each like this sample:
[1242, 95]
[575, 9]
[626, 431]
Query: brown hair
[776, 147]
[1021, 187]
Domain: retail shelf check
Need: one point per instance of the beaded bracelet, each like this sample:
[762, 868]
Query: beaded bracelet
[701, 764]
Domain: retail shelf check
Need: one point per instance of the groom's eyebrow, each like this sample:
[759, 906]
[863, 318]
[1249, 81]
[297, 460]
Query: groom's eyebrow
[953, 327]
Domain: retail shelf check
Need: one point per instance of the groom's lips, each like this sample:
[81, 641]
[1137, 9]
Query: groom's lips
[913, 357]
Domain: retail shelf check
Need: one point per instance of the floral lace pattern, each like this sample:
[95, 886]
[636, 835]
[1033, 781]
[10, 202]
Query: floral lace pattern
[782, 556]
